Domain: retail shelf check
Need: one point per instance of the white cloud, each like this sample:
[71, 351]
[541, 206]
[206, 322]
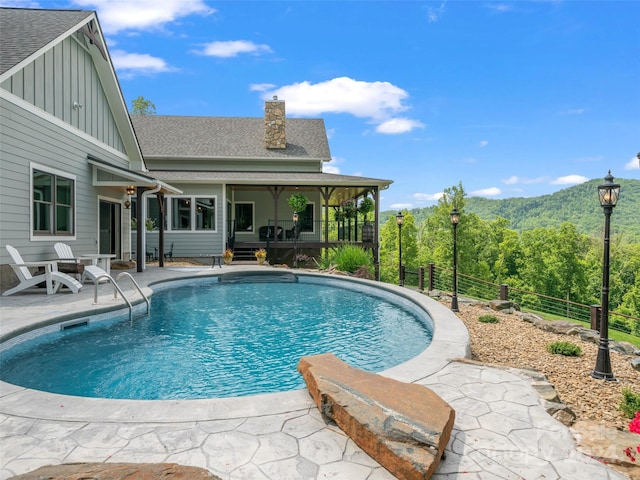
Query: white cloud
[380, 102]
[332, 166]
[398, 125]
[129, 64]
[119, 15]
[569, 180]
[435, 13]
[633, 164]
[487, 192]
[499, 7]
[233, 48]
[484, 143]
[514, 180]
[428, 197]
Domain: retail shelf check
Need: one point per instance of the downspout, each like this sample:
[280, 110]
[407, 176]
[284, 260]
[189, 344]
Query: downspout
[142, 251]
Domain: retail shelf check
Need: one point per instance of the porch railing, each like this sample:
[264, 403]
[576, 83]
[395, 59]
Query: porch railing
[314, 231]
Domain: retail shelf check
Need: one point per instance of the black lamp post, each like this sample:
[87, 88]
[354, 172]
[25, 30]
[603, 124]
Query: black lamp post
[400, 221]
[455, 219]
[608, 193]
[295, 239]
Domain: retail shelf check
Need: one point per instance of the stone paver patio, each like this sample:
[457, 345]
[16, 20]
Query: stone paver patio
[501, 429]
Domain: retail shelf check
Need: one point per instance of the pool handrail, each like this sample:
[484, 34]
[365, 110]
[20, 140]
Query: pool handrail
[116, 289]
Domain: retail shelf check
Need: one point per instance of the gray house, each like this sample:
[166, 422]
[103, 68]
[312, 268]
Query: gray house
[76, 168]
[67, 147]
[236, 176]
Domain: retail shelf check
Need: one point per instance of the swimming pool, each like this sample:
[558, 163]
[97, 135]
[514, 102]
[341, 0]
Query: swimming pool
[277, 323]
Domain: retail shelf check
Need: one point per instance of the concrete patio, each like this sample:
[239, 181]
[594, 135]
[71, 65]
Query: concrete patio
[501, 429]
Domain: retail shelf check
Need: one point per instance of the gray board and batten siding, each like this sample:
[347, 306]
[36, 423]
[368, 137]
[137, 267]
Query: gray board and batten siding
[41, 127]
[61, 76]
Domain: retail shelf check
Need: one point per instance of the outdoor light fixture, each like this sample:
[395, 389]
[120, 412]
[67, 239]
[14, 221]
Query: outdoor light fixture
[295, 239]
[608, 193]
[400, 221]
[131, 190]
[455, 219]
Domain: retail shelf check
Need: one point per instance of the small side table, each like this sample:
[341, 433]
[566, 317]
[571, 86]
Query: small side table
[215, 259]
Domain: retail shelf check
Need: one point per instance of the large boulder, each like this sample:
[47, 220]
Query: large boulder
[117, 471]
[403, 426]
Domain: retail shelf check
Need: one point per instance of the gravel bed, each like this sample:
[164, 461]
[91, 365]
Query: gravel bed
[515, 343]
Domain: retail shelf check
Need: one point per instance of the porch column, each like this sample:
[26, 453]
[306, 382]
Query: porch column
[160, 199]
[376, 232]
[140, 230]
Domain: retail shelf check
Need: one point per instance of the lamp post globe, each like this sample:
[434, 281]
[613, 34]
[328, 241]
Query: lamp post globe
[400, 221]
[608, 194]
[455, 219]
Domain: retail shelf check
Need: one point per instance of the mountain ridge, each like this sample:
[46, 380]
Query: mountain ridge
[577, 204]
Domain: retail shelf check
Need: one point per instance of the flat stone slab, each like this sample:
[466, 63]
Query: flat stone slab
[403, 426]
[117, 471]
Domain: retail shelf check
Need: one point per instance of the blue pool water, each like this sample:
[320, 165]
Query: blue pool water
[207, 340]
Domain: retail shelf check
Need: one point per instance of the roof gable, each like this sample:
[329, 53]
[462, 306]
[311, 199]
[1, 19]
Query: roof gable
[27, 35]
[25, 31]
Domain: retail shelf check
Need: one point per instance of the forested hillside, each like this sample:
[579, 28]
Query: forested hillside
[578, 205]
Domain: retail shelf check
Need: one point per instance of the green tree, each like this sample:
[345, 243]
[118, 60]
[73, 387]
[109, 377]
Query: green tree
[142, 106]
[389, 248]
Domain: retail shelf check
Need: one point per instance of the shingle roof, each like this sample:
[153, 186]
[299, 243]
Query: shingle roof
[271, 178]
[24, 31]
[227, 137]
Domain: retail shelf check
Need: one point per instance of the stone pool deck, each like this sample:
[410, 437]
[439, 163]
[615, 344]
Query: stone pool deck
[501, 430]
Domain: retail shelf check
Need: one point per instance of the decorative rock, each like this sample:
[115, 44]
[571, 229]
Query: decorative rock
[121, 265]
[546, 391]
[403, 426]
[635, 363]
[499, 305]
[557, 326]
[560, 412]
[608, 445]
[625, 348]
[117, 471]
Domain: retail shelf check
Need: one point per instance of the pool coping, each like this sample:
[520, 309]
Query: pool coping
[450, 340]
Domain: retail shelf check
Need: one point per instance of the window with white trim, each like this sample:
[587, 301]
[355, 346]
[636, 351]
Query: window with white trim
[193, 213]
[53, 203]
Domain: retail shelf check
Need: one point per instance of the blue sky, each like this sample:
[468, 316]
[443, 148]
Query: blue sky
[513, 99]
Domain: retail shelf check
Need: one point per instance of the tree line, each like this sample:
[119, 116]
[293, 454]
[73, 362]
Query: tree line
[556, 261]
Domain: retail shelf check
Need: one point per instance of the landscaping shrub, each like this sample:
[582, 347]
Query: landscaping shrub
[564, 348]
[630, 402]
[349, 258]
[488, 319]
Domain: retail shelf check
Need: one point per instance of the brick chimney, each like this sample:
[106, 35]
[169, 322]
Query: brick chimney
[274, 119]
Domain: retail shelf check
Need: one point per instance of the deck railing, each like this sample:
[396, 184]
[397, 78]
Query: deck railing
[314, 231]
[434, 277]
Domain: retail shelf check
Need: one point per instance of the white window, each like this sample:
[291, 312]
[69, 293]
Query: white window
[53, 196]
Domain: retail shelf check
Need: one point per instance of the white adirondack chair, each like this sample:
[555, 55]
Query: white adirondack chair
[52, 277]
[91, 272]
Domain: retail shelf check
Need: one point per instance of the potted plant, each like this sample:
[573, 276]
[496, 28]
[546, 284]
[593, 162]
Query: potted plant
[261, 255]
[366, 206]
[227, 256]
[298, 202]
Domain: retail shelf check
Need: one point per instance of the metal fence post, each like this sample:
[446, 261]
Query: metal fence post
[432, 277]
[504, 292]
[421, 278]
[595, 311]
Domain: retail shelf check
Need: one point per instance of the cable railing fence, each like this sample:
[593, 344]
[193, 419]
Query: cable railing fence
[433, 277]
